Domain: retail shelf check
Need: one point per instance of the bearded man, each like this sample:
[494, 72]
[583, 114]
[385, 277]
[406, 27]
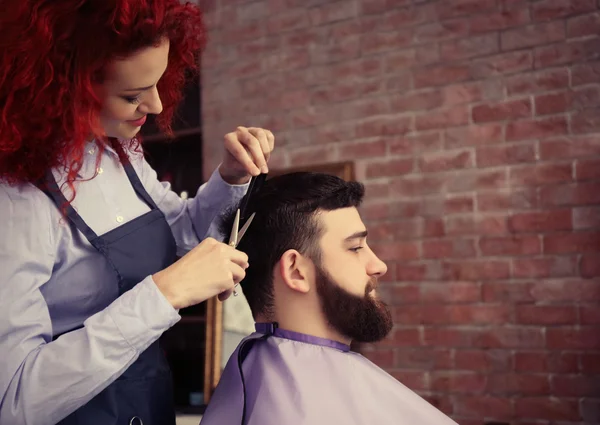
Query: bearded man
[312, 288]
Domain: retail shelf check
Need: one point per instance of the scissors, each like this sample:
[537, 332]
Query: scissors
[236, 235]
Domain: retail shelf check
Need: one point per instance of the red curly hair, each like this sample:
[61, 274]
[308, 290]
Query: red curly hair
[52, 53]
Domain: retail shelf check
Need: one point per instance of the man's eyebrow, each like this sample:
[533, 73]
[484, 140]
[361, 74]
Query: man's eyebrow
[357, 235]
[140, 88]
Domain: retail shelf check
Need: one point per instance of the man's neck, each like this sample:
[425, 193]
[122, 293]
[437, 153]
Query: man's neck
[315, 325]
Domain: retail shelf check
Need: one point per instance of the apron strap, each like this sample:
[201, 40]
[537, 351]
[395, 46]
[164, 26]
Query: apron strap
[55, 194]
[138, 186]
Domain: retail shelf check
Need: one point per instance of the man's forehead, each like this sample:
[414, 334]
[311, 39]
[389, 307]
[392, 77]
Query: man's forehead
[341, 223]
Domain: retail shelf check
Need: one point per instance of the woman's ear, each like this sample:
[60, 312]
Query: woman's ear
[296, 271]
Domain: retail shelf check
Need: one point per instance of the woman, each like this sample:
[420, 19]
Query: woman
[88, 237]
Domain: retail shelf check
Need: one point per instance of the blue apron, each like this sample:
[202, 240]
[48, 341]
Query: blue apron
[143, 394]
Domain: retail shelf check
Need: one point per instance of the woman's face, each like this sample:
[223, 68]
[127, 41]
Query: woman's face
[129, 91]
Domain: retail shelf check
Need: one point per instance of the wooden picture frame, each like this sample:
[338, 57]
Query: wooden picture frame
[214, 312]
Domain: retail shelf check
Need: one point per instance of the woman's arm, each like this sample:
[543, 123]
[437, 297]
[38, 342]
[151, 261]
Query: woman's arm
[42, 381]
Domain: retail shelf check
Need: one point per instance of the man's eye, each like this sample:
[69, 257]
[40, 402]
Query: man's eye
[356, 249]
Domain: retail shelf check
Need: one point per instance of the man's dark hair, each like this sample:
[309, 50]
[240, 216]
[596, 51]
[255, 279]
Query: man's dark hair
[286, 208]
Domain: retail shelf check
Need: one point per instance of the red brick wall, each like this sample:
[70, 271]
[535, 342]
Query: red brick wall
[475, 125]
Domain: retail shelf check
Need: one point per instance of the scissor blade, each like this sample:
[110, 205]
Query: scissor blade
[233, 238]
[245, 227]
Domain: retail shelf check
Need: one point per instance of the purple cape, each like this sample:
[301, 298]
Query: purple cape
[294, 379]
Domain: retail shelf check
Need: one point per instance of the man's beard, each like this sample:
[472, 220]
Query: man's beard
[362, 319]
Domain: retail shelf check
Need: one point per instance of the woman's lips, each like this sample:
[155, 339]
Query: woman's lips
[139, 122]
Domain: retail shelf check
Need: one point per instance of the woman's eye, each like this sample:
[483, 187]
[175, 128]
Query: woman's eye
[356, 249]
[132, 99]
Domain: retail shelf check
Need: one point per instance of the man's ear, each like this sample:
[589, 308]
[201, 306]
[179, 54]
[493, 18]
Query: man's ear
[296, 271]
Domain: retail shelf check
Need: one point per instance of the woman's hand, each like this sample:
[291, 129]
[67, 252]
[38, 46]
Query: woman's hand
[211, 268]
[247, 152]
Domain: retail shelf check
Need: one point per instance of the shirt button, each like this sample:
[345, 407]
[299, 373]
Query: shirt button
[119, 219]
[100, 170]
[92, 151]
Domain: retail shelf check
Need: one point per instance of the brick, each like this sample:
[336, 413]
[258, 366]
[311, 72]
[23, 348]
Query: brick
[570, 147]
[406, 337]
[523, 384]
[490, 156]
[415, 380]
[590, 411]
[512, 245]
[345, 91]
[575, 386]
[483, 406]
[477, 180]
[554, 103]
[383, 358]
[332, 12]
[590, 363]
[423, 358]
[289, 20]
[441, 30]
[378, 42]
[526, 84]
[449, 248]
[313, 155]
[566, 290]
[511, 337]
[420, 142]
[483, 360]
[544, 361]
[474, 135]
[582, 26]
[590, 265]
[359, 150]
[577, 50]
[515, 199]
[585, 121]
[447, 337]
[458, 382]
[589, 315]
[587, 170]
[421, 100]
[537, 128]
[539, 221]
[544, 267]
[476, 270]
[368, 7]
[586, 218]
[453, 117]
[498, 20]
[549, 408]
[387, 125]
[403, 294]
[419, 272]
[532, 35]
[502, 111]
[540, 174]
[466, 48]
[571, 194]
[399, 60]
[440, 75]
[502, 64]
[408, 16]
[396, 251]
[554, 9]
[417, 185]
[458, 204]
[458, 94]
[561, 243]
[449, 292]
[454, 8]
[569, 338]
[585, 73]
[585, 97]
[446, 160]
[545, 315]
[475, 225]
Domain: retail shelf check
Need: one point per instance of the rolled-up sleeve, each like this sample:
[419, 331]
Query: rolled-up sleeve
[191, 220]
[41, 380]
